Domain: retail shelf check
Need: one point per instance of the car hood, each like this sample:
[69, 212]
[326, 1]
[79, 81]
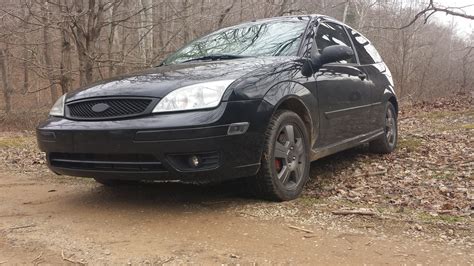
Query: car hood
[159, 81]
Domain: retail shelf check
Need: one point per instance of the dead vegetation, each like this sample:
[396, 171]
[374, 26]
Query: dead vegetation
[425, 188]
[427, 183]
[431, 171]
[50, 48]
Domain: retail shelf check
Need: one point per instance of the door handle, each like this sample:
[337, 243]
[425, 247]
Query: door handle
[362, 76]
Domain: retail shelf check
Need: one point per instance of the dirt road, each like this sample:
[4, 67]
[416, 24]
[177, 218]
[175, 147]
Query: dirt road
[51, 220]
[421, 201]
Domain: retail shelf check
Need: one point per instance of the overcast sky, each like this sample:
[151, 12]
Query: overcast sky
[464, 26]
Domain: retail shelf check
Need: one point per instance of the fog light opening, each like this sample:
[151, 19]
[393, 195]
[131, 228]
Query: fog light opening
[194, 161]
[238, 128]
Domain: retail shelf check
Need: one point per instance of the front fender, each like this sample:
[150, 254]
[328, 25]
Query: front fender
[256, 84]
[290, 91]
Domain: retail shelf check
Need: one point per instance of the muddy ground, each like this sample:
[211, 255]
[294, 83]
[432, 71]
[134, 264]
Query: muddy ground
[418, 204]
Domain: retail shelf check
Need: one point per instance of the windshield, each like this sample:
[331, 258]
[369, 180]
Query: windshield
[261, 38]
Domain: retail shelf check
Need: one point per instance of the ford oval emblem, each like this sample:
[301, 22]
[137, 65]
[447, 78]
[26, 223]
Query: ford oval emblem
[100, 107]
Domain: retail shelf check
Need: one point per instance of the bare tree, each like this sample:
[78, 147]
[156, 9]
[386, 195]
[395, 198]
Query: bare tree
[225, 13]
[467, 68]
[66, 62]
[51, 46]
[5, 79]
[86, 25]
[47, 51]
[432, 8]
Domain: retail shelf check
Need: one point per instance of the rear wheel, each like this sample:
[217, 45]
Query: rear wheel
[285, 162]
[388, 141]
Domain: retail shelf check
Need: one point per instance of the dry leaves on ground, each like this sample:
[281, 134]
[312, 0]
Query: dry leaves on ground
[432, 169]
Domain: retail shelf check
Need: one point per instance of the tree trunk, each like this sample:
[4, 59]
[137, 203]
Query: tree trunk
[86, 32]
[66, 64]
[47, 53]
[93, 31]
[26, 72]
[283, 8]
[112, 39]
[185, 21]
[465, 69]
[5, 81]
[157, 35]
[26, 58]
[88, 69]
[85, 63]
[346, 9]
[225, 13]
[146, 29]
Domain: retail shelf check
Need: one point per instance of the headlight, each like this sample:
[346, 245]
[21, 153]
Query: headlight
[58, 107]
[198, 96]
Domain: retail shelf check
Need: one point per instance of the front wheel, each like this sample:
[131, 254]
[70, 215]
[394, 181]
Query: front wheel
[388, 141]
[285, 161]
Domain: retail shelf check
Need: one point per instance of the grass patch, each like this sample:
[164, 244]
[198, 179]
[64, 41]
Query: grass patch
[468, 126]
[438, 115]
[409, 143]
[309, 201]
[441, 176]
[13, 142]
[434, 115]
[452, 127]
[450, 219]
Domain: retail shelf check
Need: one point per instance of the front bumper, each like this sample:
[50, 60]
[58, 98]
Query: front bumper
[159, 147]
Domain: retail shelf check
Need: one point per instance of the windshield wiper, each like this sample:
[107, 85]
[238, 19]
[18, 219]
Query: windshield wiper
[216, 57]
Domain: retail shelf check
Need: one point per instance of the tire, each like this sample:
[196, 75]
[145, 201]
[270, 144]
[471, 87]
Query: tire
[110, 182]
[388, 141]
[285, 163]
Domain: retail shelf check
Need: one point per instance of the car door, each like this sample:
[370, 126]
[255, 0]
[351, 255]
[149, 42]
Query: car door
[342, 91]
[378, 76]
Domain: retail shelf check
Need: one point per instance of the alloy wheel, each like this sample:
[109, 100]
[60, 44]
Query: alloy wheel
[390, 127]
[290, 156]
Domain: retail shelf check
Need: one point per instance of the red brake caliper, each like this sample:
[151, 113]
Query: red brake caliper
[278, 162]
[278, 165]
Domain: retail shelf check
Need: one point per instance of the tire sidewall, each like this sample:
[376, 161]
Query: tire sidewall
[285, 118]
[390, 106]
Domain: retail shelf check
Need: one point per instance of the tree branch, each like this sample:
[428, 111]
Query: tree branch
[429, 11]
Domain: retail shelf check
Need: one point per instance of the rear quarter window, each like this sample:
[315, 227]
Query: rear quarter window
[366, 51]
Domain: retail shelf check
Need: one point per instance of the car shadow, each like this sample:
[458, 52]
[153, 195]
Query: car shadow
[221, 195]
[163, 196]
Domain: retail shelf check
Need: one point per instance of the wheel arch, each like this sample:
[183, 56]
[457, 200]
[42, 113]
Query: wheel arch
[292, 103]
[394, 102]
[297, 98]
[389, 95]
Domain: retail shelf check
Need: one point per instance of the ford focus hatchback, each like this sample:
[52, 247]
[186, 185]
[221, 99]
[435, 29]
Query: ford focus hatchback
[259, 100]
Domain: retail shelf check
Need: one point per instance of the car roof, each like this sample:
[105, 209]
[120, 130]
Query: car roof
[311, 16]
[293, 17]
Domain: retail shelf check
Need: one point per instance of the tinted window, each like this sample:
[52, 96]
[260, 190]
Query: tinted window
[261, 38]
[366, 51]
[332, 34]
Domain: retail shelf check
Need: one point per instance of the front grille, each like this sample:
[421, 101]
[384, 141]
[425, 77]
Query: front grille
[107, 162]
[107, 108]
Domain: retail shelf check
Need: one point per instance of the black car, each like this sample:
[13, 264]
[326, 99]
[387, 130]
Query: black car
[259, 100]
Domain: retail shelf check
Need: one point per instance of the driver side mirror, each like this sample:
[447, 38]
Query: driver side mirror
[330, 54]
